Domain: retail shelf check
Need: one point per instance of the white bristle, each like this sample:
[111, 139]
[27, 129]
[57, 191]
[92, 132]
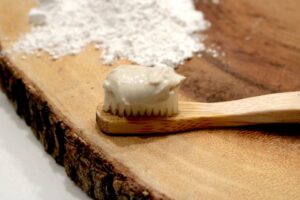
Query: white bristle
[113, 107]
[163, 109]
[149, 111]
[121, 110]
[156, 111]
[142, 110]
[127, 111]
[134, 111]
[169, 110]
[107, 101]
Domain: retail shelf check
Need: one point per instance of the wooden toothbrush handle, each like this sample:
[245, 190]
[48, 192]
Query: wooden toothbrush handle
[273, 108]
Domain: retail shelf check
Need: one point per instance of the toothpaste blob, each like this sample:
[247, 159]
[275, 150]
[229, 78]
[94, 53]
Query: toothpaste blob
[132, 90]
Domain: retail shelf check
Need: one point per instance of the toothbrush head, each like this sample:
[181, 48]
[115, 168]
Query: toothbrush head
[132, 90]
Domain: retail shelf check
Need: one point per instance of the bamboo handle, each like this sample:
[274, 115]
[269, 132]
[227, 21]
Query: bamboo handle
[273, 108]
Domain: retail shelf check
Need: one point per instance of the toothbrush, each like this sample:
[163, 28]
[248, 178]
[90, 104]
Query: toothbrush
[266, 109]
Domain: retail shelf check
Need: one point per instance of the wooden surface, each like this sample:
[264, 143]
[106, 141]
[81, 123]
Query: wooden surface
[261, 42]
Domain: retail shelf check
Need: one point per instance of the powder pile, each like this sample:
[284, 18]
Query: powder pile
[147, 32]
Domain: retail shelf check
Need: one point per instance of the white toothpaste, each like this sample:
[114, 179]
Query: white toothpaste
[138, 90]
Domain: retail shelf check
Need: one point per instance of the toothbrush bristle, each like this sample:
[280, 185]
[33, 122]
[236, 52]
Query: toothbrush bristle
[164, 109]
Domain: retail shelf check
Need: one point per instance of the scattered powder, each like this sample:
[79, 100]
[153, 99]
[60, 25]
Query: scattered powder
[214, 51]
[209, 1]
[147, 32]
[215, 1]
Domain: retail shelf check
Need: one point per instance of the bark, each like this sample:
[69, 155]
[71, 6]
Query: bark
[90, 170]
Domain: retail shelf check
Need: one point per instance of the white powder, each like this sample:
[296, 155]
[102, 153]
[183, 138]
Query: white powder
[147, 32]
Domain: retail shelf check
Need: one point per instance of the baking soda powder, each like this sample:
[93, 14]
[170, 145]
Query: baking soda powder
[147, 32]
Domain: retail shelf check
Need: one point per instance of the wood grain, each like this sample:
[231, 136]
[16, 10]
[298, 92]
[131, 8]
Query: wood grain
[261, 41]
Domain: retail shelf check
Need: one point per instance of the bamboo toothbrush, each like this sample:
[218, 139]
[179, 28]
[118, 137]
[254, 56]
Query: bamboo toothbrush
[272, 108]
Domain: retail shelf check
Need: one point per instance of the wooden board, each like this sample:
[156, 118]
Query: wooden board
[261, 42]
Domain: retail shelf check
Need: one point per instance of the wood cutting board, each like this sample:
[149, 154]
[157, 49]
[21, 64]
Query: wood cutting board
[259, 43]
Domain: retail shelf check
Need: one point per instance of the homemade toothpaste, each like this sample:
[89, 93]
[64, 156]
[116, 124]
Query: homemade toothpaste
[133, 90]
